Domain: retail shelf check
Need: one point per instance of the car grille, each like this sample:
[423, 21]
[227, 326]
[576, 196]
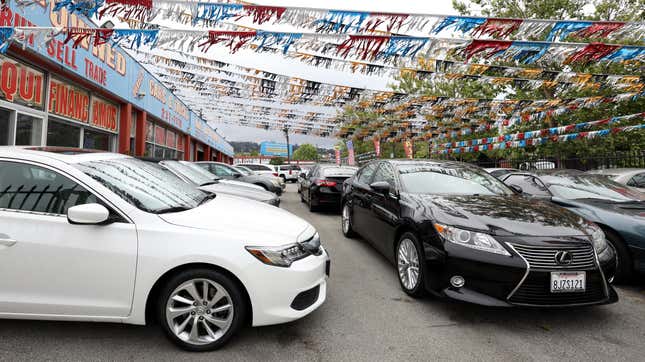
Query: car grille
[543, 258]
[535, 290]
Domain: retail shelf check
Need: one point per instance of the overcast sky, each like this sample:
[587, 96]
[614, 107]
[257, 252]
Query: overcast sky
[280, 65]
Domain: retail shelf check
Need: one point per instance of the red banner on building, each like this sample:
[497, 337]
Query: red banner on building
[337, 156]
[407, 146]
[377, 147]
[105, 115]
[21, 84]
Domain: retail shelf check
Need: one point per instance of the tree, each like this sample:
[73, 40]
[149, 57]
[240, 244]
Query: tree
[276, 161]
[306, 152]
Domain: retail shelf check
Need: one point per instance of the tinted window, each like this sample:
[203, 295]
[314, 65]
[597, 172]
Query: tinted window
[62, 134]
[221, 170]
[366, 173]
[32, 188]
[450, 179]
[385, 173]
[529, 184]
[637, 180]
[591, 187]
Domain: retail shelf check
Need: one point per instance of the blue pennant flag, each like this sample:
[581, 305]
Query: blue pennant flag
[268, 39]
[625, 53]
[403, 46]
[343, 21]
[134, 38]
[85, 7]
[6, 33]
[460, 23]
[562, 29]
[216, 12]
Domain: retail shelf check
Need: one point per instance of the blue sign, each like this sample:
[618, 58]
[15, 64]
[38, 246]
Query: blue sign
[111, 68]
[275, 149]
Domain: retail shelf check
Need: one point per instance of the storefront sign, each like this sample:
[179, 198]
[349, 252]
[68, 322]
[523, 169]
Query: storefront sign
[21, 84]
[105, 115]
[68, 101]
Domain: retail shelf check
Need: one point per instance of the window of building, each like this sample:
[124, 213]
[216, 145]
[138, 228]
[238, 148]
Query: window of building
[96, 140]
[28, 130]
[37, 189]
[62, 134]
[5, 127]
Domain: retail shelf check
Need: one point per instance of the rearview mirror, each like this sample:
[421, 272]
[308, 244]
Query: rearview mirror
[516, 188]
[87, 214]
[381, 187]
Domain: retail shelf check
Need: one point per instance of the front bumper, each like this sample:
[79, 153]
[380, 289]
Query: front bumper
[518, 280]
[280, 295]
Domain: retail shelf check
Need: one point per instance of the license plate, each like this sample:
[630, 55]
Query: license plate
[568, 282]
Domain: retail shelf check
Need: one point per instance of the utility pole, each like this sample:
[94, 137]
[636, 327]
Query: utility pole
[286, 134]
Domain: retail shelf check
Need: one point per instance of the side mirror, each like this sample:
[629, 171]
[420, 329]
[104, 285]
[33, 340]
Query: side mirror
[381, 187]
[302, 175]
[87, 214]
[517, 189]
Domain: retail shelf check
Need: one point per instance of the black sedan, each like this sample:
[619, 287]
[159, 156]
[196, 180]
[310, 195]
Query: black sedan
[618, 209]
[453, 230]
[323, 184]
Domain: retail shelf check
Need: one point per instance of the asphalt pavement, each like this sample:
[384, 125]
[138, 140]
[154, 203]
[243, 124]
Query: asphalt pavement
[366, 318]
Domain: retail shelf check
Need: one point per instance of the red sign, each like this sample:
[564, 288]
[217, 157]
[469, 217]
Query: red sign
[377, 147]
[104, 115]
[21, 84]
[407, 146]
[68, 101]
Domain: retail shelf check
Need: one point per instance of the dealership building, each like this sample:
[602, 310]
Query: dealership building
[93, 96]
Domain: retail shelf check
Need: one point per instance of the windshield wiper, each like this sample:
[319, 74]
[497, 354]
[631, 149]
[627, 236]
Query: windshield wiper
[172, 209]
[206, 199]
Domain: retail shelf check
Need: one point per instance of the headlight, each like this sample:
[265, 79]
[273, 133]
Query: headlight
[278, 256]
[471, 239]
[598, 238]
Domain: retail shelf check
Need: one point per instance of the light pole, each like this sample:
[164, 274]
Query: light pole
[286, 134]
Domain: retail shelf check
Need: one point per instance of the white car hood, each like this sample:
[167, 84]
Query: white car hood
[239, 183]
[246, 219]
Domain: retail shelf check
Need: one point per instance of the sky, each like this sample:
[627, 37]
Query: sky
[278, 64]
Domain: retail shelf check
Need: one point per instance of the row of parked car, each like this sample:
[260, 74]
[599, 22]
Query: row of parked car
[94, 236]
[546, 238]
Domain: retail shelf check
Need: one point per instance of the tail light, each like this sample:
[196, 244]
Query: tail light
[325, 183]
[290, 171]
[275, 174]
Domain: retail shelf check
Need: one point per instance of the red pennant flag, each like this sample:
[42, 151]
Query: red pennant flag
[490, 47]
[600, 29]
[261, 14]
[592, 52]
[234, 39]
[498, 28]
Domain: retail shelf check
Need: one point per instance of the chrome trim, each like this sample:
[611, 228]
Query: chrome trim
[602, 273]
[528, 270]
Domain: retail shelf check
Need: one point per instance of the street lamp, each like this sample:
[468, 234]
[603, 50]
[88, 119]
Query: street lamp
[286, 134]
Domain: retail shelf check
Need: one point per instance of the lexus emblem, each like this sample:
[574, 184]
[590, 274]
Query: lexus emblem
[563, 257]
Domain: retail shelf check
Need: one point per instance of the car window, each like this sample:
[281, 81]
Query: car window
[385, 173]
[252, 167]
[529, 184]
[366, 173]
[33, 188]
[221, 170]
[638, 180]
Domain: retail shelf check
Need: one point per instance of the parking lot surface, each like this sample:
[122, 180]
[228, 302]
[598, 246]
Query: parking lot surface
[366, 318]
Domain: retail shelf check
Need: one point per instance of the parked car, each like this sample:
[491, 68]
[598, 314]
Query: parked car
[198, 177]
[323, 185]
[289, 173]
[224, 171]
[301, 178]
[634, 177]
[455, 231]
[248, 172]
[106, 237]
[617, 209]
[261, 169]
[497, 172]
[537, 165]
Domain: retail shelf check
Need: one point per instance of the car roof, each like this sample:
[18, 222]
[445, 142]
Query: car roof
[616, 171]
[69, 155]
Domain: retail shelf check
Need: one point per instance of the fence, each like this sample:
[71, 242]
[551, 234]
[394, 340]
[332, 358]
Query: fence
[631, 159]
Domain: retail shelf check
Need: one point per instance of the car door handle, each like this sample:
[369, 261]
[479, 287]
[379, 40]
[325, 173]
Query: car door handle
[7, 242]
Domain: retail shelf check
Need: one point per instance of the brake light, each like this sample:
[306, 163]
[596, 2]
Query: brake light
[275, 174]
[325, 183]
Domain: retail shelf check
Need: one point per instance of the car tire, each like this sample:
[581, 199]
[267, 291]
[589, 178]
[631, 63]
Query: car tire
[409, 258]
[217, 319]
[346, 221]
[310, 203]
[624, 265]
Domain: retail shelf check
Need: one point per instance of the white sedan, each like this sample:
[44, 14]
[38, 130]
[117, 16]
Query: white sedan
[106, 237]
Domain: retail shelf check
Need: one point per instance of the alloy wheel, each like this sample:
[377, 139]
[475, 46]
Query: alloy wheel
[199, 311]
[408, 264]
[346, 221]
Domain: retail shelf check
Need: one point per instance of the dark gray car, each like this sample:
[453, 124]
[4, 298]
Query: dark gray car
[228, 172]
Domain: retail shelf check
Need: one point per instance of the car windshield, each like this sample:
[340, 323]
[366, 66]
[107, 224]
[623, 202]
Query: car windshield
[450, 179]
[193, 173]
[144, 185]
[591, 187]
[243, 170]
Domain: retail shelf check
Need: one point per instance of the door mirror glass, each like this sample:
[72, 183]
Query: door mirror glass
[517, 189]
[381, 187]
[88, 214]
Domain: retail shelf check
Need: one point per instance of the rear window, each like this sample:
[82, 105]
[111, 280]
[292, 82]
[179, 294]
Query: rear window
[339, 172]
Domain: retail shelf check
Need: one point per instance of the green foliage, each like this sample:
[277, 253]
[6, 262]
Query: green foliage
[306, 152]
[276, 161]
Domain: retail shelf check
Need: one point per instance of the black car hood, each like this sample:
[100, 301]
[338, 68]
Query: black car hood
[499, 215]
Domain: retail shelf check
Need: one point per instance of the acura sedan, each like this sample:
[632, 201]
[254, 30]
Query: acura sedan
[109, 238]
[618, 209]
[454, 230]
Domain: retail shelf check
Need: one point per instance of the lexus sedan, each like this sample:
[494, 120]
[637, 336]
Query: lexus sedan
[227, 172]
[106, 237]
[618, 209]
[454, 230]
[323, 185]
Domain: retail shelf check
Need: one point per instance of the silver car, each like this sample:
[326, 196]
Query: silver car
[634, 177]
